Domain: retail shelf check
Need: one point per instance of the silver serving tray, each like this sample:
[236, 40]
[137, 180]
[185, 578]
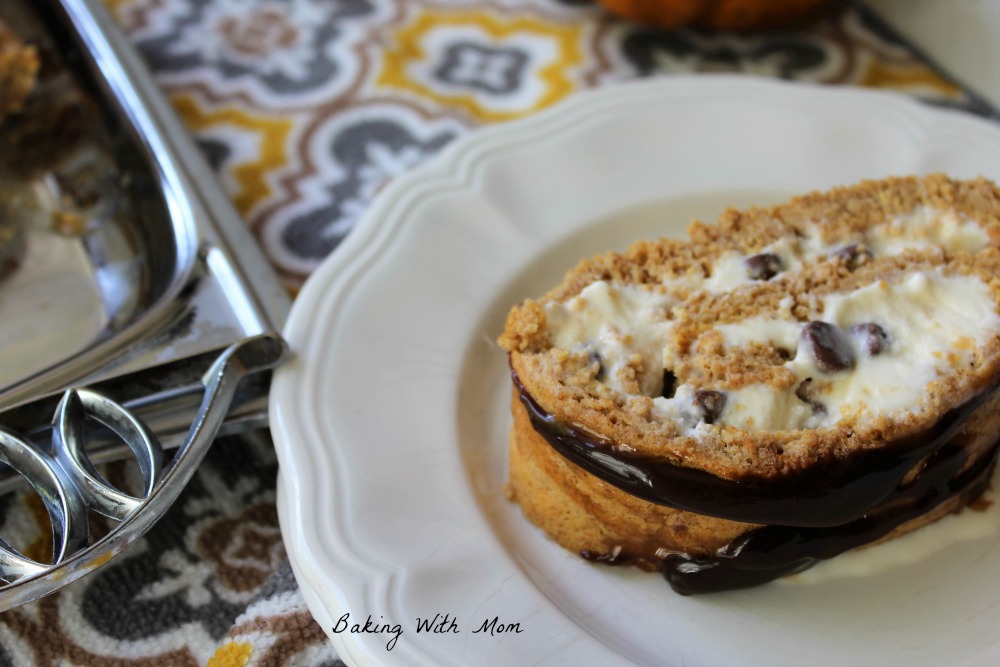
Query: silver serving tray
[136, 300]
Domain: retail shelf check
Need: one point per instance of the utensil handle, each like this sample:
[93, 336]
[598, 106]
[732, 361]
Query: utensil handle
[70, 487]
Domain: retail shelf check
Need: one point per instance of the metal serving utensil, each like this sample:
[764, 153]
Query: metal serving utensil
[189, 307]
[70, 486]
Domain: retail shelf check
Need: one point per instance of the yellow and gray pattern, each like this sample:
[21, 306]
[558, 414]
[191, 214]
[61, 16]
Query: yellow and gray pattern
[307, 107]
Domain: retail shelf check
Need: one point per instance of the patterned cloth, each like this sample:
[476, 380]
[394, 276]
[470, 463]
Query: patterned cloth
[305, 108]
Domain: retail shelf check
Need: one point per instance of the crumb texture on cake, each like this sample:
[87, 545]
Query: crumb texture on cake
[834, 329]
[778, 336]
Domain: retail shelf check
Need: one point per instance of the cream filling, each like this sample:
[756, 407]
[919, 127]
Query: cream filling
[783, 333]
[927, 227]
[934, 324]
[923, 228]
[616, 323]
[728, 273]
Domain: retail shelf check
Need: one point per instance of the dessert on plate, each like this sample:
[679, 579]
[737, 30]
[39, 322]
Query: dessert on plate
[784, 385]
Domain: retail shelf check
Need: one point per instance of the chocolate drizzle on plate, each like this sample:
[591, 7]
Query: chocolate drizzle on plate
[771, 552]
[832, 507]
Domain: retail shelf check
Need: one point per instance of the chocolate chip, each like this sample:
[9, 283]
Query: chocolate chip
[807, 391]
[669, 384]
[853, 255]
[595, 358]
[829, 346]
[874, 339]
[763, 266]
[804, 391]
[711, 404]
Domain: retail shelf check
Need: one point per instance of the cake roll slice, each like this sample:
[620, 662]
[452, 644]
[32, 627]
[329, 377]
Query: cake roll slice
[782, 386]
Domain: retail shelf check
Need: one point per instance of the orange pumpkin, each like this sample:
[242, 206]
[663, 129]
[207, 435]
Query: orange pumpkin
[735, 15]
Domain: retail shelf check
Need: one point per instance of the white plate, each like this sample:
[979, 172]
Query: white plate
[391, 424]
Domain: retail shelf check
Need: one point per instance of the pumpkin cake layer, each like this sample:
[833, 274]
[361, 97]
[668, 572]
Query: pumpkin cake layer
[774, 379]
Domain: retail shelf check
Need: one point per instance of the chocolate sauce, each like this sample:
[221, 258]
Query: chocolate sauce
[832, 507]
[772, 552]
[829, 493]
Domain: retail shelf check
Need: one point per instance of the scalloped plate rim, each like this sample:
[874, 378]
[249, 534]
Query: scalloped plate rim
[328, 567]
